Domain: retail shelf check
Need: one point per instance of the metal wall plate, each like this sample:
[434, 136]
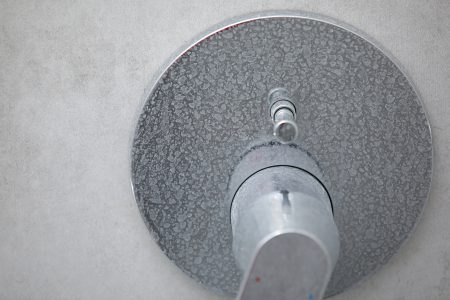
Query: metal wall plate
[359, 118]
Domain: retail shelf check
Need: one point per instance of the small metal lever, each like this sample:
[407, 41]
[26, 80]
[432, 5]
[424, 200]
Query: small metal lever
[283, 113]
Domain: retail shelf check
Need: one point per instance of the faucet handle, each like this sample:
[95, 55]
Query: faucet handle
[284, 236]
[288, 266]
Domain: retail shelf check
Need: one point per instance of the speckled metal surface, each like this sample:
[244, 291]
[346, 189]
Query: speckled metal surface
[359, 118]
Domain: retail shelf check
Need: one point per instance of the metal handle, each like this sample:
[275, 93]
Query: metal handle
[284, 236]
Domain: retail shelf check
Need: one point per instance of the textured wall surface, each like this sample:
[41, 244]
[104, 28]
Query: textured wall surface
[73, 76]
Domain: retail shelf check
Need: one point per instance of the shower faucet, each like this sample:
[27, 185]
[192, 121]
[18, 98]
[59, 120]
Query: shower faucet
[282, 156]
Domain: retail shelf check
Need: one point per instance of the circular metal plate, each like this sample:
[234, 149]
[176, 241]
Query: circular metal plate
[359, 118]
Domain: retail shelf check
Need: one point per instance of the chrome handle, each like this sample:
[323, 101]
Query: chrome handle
[284, 236]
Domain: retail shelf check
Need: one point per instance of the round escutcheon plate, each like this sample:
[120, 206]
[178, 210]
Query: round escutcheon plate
[358, 115]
